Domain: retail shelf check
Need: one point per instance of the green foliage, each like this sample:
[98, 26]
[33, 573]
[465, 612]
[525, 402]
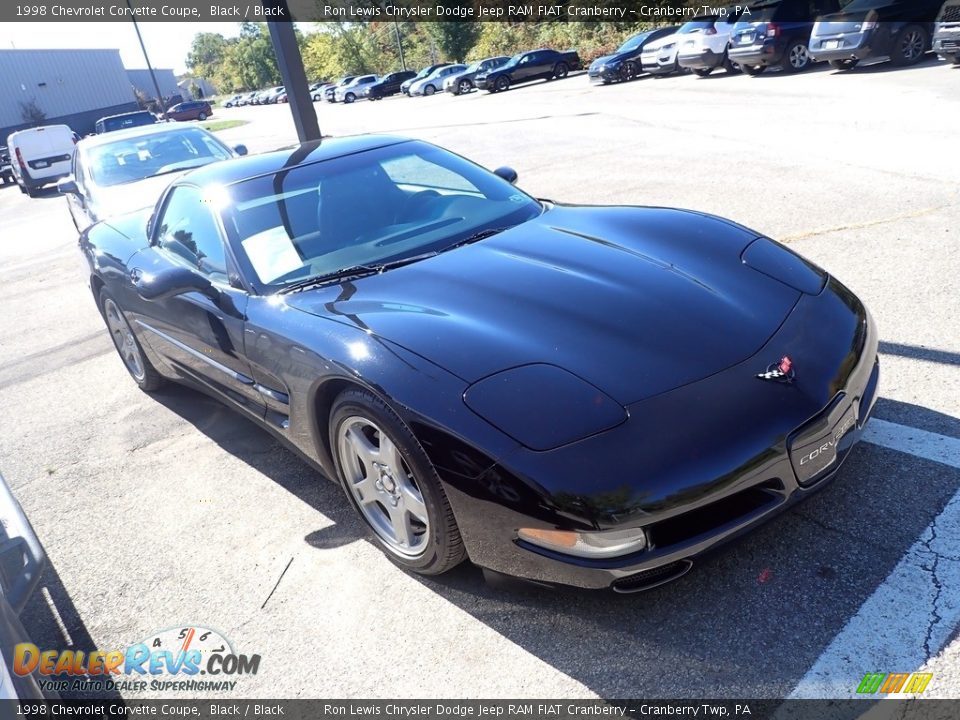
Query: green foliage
[335, 49]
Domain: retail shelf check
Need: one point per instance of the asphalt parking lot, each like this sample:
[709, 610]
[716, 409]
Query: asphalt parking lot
[163, 511]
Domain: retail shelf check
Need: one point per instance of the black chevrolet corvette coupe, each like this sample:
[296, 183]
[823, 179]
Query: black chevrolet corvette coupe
[590, 396]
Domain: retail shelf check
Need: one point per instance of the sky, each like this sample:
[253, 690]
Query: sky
[167, 42]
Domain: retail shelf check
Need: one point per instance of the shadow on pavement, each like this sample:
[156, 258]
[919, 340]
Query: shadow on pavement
[746, 622]
[53, 623]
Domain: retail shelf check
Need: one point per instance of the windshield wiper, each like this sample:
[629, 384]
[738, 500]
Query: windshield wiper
[481, 235]
[353, 271]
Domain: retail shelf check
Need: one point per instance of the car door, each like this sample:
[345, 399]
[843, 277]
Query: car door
[525, 68]
[201, 337]
[77, 203]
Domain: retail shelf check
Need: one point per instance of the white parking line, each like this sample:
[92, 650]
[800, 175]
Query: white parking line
[928, 445]
[911, 614]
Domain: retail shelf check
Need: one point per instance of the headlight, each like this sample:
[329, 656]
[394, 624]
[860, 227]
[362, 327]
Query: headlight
[543, 406]
[602, 544]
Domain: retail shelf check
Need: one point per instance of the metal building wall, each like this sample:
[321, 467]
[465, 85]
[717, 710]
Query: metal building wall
[69, 86]
[167, 81]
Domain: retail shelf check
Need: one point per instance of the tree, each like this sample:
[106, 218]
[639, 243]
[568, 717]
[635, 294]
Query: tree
[455, 39]
[31, 112]
[206, 55]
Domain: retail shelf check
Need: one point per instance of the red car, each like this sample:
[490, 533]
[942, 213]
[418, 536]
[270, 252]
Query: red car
[192, 110]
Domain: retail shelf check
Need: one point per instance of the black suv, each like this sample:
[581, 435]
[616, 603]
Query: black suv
[390, 84]
[875, 30]
[776, 32]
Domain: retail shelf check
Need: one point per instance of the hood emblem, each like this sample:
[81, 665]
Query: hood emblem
[781, 371]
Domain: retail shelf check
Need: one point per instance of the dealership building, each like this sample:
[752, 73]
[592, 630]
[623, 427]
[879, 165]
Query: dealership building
[72, 87]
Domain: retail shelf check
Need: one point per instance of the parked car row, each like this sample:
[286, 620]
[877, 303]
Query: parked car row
[792, 35]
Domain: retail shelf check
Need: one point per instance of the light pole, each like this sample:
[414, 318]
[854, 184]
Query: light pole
[156, 85]
[396, 26]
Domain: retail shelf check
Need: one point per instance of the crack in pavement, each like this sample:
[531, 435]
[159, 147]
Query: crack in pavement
[935, 618]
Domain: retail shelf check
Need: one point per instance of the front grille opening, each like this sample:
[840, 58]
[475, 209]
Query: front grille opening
[708, 518]
[653, 577]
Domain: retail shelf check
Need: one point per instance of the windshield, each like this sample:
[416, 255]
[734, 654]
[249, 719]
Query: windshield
[365, 209]
[633, 43]
[137, 158]
[695, 25]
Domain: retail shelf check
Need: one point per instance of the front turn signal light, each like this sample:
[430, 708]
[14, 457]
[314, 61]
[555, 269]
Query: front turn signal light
[601, 544]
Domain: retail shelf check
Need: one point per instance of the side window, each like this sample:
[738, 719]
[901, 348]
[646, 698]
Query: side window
[189, 233]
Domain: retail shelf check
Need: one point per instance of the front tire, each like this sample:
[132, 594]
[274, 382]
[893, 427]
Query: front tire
[909, 46]
[429, 90]
[502, 84]
[702, 72]
[201, 117]
[463, 87]
[127, 345]
[349, 98]
[627, 72]
[392, 484]
[753, 70]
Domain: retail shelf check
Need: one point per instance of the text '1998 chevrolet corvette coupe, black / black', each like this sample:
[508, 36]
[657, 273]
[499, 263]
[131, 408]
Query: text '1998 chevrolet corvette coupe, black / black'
[589, 396]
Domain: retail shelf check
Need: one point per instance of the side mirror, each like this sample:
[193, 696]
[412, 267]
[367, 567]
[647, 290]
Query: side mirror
[173, 281]
[68, 186]
[240, 149]
[507, 173]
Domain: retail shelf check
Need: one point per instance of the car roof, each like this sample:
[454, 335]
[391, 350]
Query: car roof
[250, 166]
[134, 132]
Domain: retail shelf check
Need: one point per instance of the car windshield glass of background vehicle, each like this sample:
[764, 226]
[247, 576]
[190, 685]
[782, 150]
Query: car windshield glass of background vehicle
[364, 209]
[132, 159]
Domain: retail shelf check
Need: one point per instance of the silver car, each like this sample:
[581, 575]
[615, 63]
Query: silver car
[459, 83]
[358, 88]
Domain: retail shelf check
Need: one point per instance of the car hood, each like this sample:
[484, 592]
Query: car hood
[120, 199]
[612, 58]
[637, 301]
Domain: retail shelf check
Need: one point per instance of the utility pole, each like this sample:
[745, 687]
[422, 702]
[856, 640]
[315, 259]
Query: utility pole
[156, 85]
[396, 26]
[284, 40]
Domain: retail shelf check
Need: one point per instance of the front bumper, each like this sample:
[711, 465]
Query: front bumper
[703, 60]
[659, 65]
[946, 42]
[692, 491]
[605, 74]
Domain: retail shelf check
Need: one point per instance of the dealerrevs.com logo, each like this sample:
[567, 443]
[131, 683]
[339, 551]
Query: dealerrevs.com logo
[191, 658]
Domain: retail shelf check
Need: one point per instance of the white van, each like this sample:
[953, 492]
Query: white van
[40, 156]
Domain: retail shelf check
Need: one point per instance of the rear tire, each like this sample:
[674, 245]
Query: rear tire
[730, 66]
[797, 58]
[144, 374]
[702, 72]
[909, 46]
[844, 64]
[201, 117]
[392, 484]
[560, 71]
[753, 70]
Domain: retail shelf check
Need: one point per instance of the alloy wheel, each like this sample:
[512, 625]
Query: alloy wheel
[799, 57]
[911, 47]
[383, 486]
[123, 339]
